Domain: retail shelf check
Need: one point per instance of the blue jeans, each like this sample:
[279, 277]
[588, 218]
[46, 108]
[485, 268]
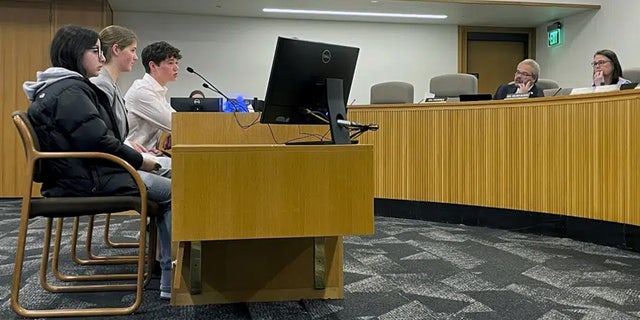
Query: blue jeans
[159, 191]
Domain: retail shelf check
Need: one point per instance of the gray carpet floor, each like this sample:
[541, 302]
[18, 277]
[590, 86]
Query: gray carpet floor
[408, 270]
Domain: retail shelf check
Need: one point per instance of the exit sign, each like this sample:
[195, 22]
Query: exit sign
[554, 34]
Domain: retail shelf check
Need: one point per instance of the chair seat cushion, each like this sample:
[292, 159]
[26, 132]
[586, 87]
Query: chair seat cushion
[79, 206]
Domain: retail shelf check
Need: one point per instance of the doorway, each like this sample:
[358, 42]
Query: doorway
[492, 54]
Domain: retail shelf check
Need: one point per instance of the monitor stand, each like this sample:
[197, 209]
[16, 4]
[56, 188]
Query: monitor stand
[337, 111]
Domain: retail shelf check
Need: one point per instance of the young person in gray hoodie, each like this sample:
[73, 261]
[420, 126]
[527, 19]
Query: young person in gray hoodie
[69, 113]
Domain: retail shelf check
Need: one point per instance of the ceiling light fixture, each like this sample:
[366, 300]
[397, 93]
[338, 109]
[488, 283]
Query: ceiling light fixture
[358, 14]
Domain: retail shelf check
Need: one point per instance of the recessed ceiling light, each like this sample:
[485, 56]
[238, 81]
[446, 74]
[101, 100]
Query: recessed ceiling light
[358, 14]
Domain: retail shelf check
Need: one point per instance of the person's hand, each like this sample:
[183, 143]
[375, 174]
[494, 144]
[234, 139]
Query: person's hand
[155, 152]
[598, 78]
[138, 147]
[167, 143]
[524, 87]
[149, 165]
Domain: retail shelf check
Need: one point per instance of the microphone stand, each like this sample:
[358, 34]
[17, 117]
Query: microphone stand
[358, 127]
[210, 86]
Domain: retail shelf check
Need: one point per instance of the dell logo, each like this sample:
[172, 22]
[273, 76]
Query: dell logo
[326, 56]
[196, 101]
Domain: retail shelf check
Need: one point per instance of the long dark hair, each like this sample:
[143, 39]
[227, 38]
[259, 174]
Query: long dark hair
[69, 45]
[617, 68]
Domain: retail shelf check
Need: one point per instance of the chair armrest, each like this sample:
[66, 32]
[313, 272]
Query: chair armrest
[100, 155]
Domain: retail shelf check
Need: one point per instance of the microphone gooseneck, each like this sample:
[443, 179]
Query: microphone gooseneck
[210, 86]
[353, 124]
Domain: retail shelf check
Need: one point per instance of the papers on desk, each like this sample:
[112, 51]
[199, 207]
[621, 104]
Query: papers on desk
[585, 90]
[607, 88]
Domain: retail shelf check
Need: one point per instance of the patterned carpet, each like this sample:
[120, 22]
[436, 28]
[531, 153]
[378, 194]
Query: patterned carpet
[407, 270]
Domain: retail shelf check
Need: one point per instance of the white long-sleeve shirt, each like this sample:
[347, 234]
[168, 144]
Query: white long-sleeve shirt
[149, 112]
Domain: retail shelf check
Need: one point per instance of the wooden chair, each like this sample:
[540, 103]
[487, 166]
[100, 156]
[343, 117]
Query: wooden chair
[61, 207]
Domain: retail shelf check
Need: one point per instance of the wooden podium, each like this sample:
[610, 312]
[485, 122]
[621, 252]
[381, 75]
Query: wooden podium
[263, 222]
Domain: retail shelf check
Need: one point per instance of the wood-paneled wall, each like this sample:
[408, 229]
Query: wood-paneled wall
[26, 30]
[575, 155]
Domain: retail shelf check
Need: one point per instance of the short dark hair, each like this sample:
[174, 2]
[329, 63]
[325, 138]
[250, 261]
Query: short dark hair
[69, 45]
[196, 92]
[617, 68]
[158, 52]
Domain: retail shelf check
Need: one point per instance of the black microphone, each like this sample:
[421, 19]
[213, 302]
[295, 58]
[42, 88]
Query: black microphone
[352, 124]
[554, 94]
[213, 88]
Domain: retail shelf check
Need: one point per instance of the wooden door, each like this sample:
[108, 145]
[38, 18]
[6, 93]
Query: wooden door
[494, 62]
[493, 53]
[25, 34]
[26, 30]
[87, 13]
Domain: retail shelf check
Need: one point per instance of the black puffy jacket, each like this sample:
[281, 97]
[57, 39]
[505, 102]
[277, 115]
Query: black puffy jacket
[72, 114]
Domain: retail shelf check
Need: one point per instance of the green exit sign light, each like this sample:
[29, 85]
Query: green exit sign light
[554, 34]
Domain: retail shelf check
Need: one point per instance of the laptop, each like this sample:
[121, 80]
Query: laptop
[475, 97]
[197, 104]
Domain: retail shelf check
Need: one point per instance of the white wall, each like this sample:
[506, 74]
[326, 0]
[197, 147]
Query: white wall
[236, 53]
[614, 27]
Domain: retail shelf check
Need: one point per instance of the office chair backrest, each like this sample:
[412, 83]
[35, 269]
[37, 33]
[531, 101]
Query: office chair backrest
[392, 92]
[453, 85]
[547, 84]
[632, 74]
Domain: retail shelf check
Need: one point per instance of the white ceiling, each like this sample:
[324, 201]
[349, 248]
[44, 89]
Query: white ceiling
[471, 13]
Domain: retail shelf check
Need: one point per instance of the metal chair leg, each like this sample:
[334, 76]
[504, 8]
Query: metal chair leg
[112, 244]
[17, 281]
[91, 258]
[153, 240]
[69, 278]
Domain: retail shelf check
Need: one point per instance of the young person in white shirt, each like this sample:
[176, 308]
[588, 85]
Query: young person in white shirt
[149, 112]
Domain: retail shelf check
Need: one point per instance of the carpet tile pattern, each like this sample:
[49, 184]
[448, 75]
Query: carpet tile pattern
[408, 270]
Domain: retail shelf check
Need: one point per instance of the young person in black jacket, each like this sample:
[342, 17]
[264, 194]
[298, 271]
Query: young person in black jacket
[69, 113]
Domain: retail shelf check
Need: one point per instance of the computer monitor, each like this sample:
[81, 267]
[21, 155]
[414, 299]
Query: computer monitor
[309, 82]
[197, 104]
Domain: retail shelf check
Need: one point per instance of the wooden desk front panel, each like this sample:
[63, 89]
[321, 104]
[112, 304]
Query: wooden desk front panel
[227, 128]
[271, 191]
[577, 156]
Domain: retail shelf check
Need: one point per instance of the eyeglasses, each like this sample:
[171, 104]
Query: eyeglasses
[99, 52]
[599, 63]
[524, 74]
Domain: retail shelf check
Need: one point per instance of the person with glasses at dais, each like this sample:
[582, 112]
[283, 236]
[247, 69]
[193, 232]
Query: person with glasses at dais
[524, 81]
[607, 69]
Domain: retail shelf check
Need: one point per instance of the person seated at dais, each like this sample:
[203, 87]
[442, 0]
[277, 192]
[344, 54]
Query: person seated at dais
[607, 69]
[196, 94]
[526, 76]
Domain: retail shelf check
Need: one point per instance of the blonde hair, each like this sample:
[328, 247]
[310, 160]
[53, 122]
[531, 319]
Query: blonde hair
[114, 34]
